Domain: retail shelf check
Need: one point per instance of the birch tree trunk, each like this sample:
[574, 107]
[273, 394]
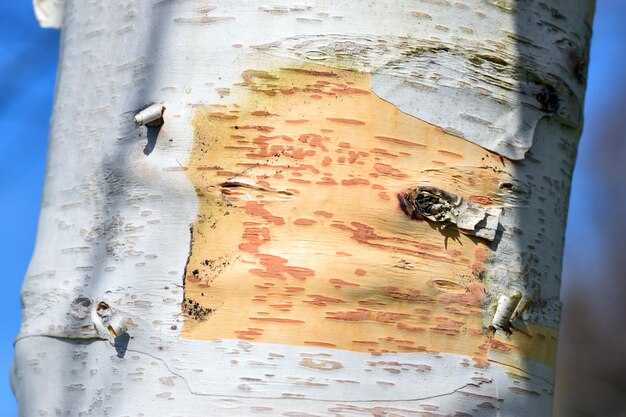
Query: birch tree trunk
[348, 208]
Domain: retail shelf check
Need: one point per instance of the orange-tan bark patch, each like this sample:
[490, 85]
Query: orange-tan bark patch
[298, 202]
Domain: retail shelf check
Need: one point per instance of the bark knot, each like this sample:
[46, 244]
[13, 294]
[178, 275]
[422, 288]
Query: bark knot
[444, 208]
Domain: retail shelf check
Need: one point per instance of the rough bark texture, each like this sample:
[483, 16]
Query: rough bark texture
[350, 209]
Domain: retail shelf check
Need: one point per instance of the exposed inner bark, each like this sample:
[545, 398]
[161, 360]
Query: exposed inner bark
[301, 238]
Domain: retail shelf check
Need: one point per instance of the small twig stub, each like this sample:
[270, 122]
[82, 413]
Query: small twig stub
[151, 115]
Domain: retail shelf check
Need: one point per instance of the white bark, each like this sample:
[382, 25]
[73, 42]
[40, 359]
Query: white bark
[114, 225]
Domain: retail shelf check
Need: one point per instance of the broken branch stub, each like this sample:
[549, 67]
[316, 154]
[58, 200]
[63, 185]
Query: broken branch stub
[438, 206]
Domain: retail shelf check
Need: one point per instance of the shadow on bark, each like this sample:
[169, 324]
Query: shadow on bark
[121, 344]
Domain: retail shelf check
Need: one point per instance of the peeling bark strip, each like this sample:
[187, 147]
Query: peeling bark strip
[289, 134]
[493, 78]
[503, 316]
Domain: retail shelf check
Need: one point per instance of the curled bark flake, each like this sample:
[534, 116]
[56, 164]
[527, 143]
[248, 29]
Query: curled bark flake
[103, 310]
[150, 116]
[115, 322]
[507, 305]
[117, 325]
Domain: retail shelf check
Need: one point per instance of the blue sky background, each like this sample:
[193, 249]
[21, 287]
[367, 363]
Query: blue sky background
[28, 59]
